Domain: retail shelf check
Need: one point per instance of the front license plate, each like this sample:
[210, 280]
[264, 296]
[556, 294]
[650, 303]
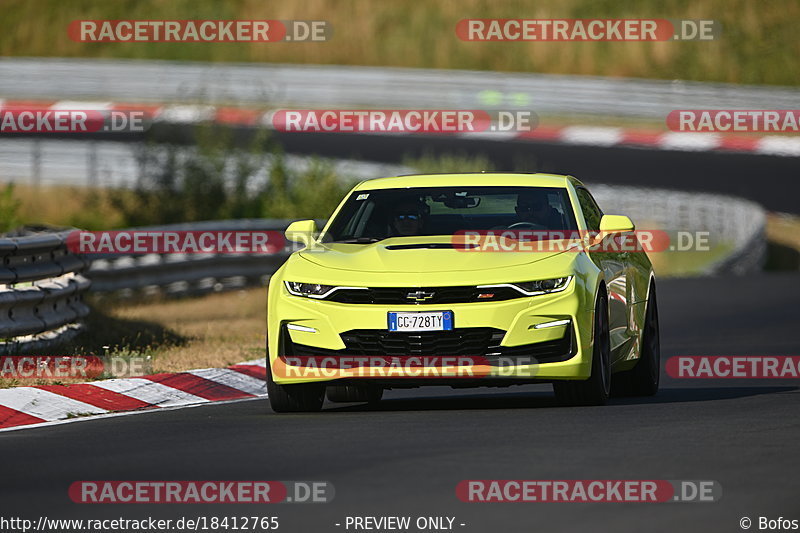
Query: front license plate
[429, 321]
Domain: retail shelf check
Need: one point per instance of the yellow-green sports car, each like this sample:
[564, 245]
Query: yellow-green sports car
[467, 280]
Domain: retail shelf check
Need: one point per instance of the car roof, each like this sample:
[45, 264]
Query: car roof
[485, 179]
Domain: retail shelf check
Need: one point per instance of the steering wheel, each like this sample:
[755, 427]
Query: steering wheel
[527, 225]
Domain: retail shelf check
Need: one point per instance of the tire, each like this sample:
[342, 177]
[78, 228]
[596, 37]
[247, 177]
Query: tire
[354, 393]
[295, 398]
[596, 389]
[643, 379]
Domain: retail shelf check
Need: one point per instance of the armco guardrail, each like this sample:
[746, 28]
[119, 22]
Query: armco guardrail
[379, 87]
[41, 291]
[182, 273]
[189, 273]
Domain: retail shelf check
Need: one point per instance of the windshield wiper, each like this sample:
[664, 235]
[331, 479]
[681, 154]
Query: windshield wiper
[359, 240]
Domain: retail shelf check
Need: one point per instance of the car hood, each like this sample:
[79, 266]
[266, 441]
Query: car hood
[415, 255]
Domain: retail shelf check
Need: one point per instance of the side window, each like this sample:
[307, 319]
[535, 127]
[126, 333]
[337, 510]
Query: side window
[591, 212]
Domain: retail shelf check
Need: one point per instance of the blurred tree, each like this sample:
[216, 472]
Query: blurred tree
[9, 209]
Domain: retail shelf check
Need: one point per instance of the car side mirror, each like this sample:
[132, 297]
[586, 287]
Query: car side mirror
[301, 231]
[616, 224]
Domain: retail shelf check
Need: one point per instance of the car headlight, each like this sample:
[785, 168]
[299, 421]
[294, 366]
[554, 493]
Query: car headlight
[534, 288]
[309, 290]
[543, 286]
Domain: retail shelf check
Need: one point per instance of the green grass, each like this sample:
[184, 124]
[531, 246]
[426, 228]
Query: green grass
[449, 163]
[758, 44]
[687, 263]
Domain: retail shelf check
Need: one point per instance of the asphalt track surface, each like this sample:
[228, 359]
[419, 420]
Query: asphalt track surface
[406, 457]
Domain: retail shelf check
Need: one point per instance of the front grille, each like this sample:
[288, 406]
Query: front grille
[467, 342]
[463, 341]
[438, 295]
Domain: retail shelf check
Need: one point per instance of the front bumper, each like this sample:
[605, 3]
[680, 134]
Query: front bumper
[506, 344]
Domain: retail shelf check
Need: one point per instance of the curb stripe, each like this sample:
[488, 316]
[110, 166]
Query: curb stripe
[150, 109]
[695, 142]
[237, 115]
[198, 386]
[44, 404]
[71, 105]
[542, 133]
[97, 396]
[149, 391]
[742, 144]
[236, 380]
[592, 135]
[35, 104]
[53, 404]
[774, 145]
[646, 138]
[11, 417]
[256, 371]
[186, 114]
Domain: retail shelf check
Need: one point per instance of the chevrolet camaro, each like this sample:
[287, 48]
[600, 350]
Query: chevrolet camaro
[465, 280]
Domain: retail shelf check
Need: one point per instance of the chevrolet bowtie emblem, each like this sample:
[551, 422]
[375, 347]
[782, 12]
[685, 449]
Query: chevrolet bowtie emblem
[419, 296]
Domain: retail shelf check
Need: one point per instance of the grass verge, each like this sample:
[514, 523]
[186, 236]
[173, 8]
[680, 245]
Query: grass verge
[783, 242]
[170, 335]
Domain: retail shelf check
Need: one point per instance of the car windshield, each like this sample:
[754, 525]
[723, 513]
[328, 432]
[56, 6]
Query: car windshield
[373, 215]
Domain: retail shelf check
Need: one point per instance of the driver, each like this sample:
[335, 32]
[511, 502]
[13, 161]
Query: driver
[533, 208]
[408, 217]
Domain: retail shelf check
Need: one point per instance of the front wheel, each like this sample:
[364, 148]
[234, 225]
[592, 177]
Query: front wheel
[643, 379]
[294, 398]
[596, 389]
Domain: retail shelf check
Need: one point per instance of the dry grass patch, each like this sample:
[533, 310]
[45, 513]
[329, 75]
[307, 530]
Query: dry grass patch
[81, 207]
[214, 331]
[783, 241]
[784, 229]
[211, 331]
